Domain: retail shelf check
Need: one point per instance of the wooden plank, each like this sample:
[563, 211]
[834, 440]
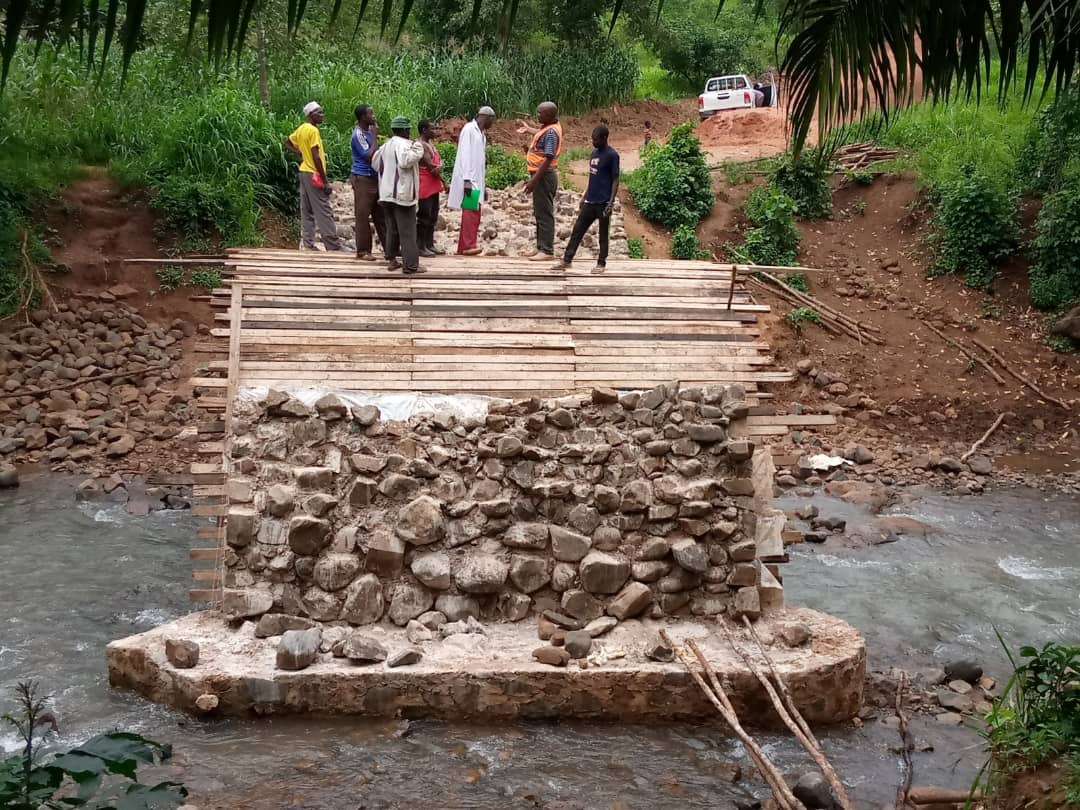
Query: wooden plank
[169, 479]
[206, 554]
[205, 594]
[209, 532]
[209, 382]
[210, 448]
[793, 419]
[208, 490]
[209, 509]
[206, 575]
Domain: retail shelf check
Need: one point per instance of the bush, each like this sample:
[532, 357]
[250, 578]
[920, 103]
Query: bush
[635, 248]
[1037, 717]
[774, 239]
[686, 245]
[1052, 140]
[800, 315]
[1055, 270]
[505, 169]
[974, 228]
[806, 180]
[673, 186]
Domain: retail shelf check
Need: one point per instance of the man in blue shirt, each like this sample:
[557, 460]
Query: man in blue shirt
[598, 201]
[365, 183]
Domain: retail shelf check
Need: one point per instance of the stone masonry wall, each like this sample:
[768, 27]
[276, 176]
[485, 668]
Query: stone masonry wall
[629, 505]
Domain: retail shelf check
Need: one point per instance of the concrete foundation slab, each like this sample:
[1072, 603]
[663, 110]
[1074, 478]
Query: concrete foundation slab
[493, 676]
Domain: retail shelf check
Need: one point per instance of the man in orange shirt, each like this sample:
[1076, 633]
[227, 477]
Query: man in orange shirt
[542, 161]
[306, 141]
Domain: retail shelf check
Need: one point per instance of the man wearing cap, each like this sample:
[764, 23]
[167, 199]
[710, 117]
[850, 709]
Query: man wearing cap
[315, 210]
[398, 165]
[470, 169]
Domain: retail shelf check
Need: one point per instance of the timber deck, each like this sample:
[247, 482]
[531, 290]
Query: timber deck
[493, 326]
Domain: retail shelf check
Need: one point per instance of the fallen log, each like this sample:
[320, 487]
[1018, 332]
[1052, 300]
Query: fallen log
[993, 353]
[965, 350]
[907, 767]
[931, 794]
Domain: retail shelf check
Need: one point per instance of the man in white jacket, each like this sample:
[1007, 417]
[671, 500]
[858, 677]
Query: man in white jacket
[470, 168]
[398, 165]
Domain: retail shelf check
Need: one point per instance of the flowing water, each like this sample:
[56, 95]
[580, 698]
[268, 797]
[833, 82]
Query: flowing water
[75, 576]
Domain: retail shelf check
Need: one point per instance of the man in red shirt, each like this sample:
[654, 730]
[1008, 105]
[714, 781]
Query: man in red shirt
[431, 183]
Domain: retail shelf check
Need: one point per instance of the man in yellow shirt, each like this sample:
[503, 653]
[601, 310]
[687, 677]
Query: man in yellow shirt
[314, 185]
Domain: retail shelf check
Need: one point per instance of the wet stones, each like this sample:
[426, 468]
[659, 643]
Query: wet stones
[603, 573]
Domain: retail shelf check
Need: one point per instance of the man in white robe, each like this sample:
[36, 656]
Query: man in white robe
[470, 167]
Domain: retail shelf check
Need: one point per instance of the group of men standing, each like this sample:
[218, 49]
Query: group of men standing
[396, 186]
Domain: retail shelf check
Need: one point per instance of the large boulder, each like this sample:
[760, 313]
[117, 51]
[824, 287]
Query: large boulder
[407, 601]
[532, 536]
[568, 546]
[246, 604]
[363, 649]
[336, 570]
[631, 601]
[181, 652]
[307, 535]
[603, 573]
[529, 573]
[421, 522]
[364, 601]
[481, 573]
[457, 608]
[298, 648]
[432, 569]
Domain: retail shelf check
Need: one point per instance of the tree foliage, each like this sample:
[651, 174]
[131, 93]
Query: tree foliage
[673, 186]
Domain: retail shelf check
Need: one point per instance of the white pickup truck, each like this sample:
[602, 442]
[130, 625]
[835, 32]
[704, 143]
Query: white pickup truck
[733, 93]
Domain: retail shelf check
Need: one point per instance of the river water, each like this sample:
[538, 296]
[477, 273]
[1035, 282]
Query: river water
[75, 576]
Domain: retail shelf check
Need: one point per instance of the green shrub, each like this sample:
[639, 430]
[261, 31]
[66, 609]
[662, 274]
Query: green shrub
[448, 152]
[806, 180]
[797, 281]
[1055, 269]
[170, 276]
[1052, 140]
[1037, 717]
[686, 245]
[800, 315]
[673, 186]
[635, 248]
[206, 277]
[773, 239]
[505, 169]
[974, 228]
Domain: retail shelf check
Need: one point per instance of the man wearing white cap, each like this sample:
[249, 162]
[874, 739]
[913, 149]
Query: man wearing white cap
[467, 190]
[306, 141]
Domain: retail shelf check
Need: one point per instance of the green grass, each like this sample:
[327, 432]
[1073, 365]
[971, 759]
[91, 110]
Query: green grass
[636, 248]
[800, 315]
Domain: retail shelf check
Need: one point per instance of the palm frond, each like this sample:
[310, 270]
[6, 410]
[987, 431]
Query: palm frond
[110, 31]
[13, 22]
[384, 20]
[92, 25]
[851, 58]
[193, 16]
[129, 34]
[69, 11]
[405, 9]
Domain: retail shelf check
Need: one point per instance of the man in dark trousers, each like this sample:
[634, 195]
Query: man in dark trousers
[599, 199]
[542, 162]
[365, 183]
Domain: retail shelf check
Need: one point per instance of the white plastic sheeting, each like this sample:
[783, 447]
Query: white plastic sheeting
[393, 406]
[825, 462]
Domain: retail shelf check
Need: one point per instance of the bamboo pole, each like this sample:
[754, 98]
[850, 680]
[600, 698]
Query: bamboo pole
[812, 747]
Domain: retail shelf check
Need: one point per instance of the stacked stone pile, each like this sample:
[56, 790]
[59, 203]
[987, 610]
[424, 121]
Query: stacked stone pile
[86, 421]
[610, 505]
[507, 227]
